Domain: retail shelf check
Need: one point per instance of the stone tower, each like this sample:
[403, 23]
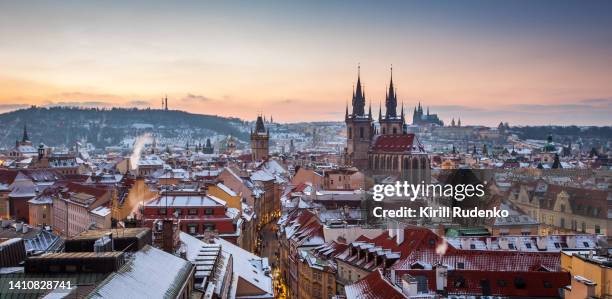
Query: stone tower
[260, 141]
[359, 129]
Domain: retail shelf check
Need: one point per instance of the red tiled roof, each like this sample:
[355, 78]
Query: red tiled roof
[373, 286]
[87, 189]
[397, 143]
[470, 282]
[7, 176]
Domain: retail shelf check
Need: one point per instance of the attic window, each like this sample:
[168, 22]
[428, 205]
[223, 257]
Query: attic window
[586, 244]
[557, 245]
[511, 246]
[528, 245]
[472, 246]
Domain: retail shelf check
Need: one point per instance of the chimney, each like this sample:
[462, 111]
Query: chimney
[409, 285]
[465, 243]
[400, 235]
[542, 242]
[168, 236]
[441, 275]
[571, 241]
[392, 231]
[503, 244]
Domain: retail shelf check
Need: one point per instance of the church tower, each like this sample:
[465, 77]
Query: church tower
[260, 140]
[359, 129]
[391, 123]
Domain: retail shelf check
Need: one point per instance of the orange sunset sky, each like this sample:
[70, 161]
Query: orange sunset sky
[525, 62]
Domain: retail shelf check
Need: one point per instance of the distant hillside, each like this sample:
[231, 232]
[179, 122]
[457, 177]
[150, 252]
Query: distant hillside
[57, 126]
[564, 132]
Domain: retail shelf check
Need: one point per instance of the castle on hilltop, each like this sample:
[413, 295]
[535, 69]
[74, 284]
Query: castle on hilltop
[421, 119]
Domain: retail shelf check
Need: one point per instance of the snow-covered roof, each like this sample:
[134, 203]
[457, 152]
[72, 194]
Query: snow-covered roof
[150, 273]
[101, 211]
[226, 189]
[185, 201]
[250, 267]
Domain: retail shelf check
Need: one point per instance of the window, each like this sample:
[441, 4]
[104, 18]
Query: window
[586, 244]
[528, 245]
[557, 245]
[562, 222]
[460, 282]
[208, 212]
[519, 283]
[472, 246]
[501, 283]
[547, 284]
[460, 265]
[193, 211]
[394, 130]
[350, 133]
[209, 227]
[361, 133]
[597, 229]
[71, 268]
[178, 211]
[192, 228]
[511, 246]
[162, 211]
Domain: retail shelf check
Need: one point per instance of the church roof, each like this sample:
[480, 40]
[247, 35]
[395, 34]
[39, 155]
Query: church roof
[397, 143]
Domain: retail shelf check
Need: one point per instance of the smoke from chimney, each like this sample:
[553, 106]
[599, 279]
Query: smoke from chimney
[139, 145]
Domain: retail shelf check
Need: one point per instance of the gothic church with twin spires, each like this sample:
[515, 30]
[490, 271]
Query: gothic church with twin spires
[388, 150]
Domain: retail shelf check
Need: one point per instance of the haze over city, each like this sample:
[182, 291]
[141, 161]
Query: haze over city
[544, 62]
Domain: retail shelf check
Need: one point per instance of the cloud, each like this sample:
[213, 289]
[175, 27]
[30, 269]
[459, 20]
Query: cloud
[287, 101]
[11, 107]
[139, 103]
[597, 101]
[100, 104]
[196, 97]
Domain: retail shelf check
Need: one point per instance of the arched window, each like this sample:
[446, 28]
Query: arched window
[416, 178]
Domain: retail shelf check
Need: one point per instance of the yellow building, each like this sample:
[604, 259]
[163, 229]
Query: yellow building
[317, 279]
[221, 191]
[562, 209]
[589, 275]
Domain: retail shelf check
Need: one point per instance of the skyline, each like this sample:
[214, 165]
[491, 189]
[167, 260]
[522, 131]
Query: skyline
[524, 63]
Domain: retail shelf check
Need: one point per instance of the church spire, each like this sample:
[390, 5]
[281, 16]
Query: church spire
[346, 115]
[25, 134]
[391, 99]
[359, 96]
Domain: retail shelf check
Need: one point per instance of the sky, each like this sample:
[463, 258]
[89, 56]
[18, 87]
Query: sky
[522, 62]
